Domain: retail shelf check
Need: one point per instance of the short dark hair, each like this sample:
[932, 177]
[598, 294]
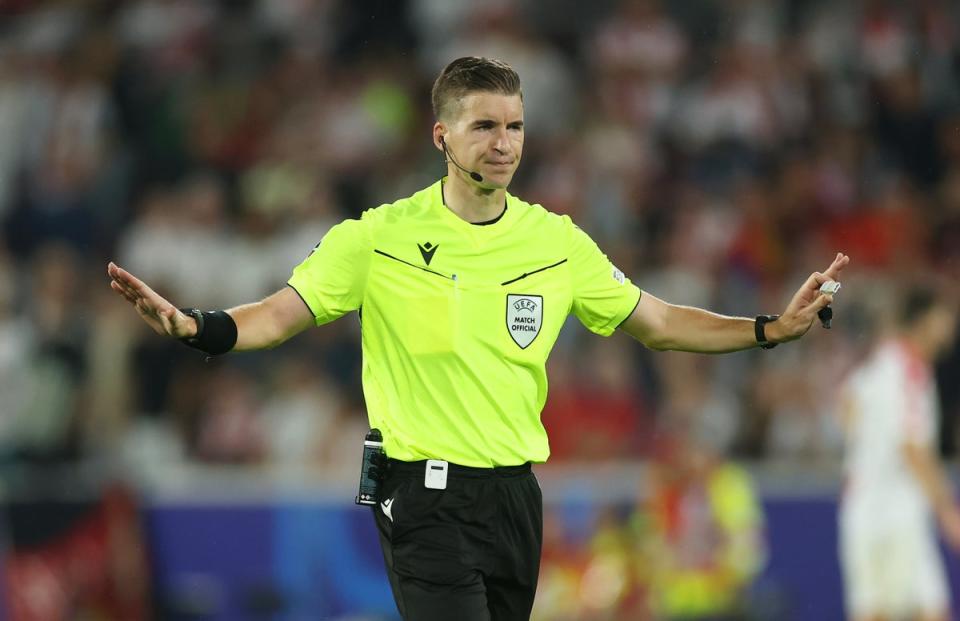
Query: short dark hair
[471, 74]
[917, 301]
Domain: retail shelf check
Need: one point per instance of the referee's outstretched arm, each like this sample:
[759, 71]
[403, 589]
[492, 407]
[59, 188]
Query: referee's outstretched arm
[663, 326]
[259, 325]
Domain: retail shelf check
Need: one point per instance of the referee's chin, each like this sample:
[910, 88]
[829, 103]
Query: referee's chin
[491, 187]
[496, 181]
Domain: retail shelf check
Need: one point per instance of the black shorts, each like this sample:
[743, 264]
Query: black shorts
[470, 552]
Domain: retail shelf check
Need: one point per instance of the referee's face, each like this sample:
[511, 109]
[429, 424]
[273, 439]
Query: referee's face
[486, 136]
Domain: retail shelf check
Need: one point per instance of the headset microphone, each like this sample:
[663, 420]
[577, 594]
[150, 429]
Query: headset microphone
[473, 174]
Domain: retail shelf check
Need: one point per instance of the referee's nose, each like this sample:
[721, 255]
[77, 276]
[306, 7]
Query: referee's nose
[501, 142]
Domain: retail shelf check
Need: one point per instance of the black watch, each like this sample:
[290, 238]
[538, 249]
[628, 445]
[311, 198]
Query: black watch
[758, 330]
[197, 315]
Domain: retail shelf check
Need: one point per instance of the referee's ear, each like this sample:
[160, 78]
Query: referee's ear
[439, 131]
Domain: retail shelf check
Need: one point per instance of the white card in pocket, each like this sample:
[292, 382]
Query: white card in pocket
[436, 474]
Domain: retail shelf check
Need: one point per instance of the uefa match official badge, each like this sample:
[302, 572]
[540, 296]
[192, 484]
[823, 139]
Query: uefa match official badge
[524, 317]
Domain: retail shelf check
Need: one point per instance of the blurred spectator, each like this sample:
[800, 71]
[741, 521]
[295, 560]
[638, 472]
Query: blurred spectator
[49, 368]
[80, 560]
[300, 419]
[13, 110]
[639, 37]
[687, 394]
[16, 348]
[599, 416]
[229, 428]
[604, 577]
[705, 525]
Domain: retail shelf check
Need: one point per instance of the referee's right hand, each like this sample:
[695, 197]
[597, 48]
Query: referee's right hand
[161, 315]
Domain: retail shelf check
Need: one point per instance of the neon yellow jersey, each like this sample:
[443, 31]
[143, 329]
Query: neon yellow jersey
[458, 320]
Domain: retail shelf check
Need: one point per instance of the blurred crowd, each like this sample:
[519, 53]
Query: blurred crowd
[692, 547]
[718, 151]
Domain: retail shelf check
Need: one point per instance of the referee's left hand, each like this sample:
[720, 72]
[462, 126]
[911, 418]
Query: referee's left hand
[802, 309]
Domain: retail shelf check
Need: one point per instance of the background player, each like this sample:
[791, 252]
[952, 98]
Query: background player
[895, 483]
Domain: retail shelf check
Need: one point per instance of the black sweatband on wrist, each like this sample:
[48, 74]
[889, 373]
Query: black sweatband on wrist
[216, 331]
[759, 323]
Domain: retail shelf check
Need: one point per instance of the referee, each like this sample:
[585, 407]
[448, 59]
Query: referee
[463, 290]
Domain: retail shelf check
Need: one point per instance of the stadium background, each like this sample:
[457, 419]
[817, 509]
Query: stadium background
[718, 151]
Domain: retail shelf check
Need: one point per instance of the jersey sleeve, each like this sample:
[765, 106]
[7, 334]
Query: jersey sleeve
[332, 279]
[602, 296]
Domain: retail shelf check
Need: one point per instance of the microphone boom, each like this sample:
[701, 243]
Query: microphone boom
[473, 174]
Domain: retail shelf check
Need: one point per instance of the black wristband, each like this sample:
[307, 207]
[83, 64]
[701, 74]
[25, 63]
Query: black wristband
[758, 330]
[216, 331]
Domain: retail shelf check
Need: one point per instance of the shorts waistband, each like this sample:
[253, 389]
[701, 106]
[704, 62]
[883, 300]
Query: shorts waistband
[418, 468]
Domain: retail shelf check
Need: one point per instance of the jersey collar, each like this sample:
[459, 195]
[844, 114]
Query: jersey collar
[489, 228]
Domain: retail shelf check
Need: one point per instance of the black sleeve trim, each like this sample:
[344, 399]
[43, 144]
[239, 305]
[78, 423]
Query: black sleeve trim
[631, 310]
[302, 300]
